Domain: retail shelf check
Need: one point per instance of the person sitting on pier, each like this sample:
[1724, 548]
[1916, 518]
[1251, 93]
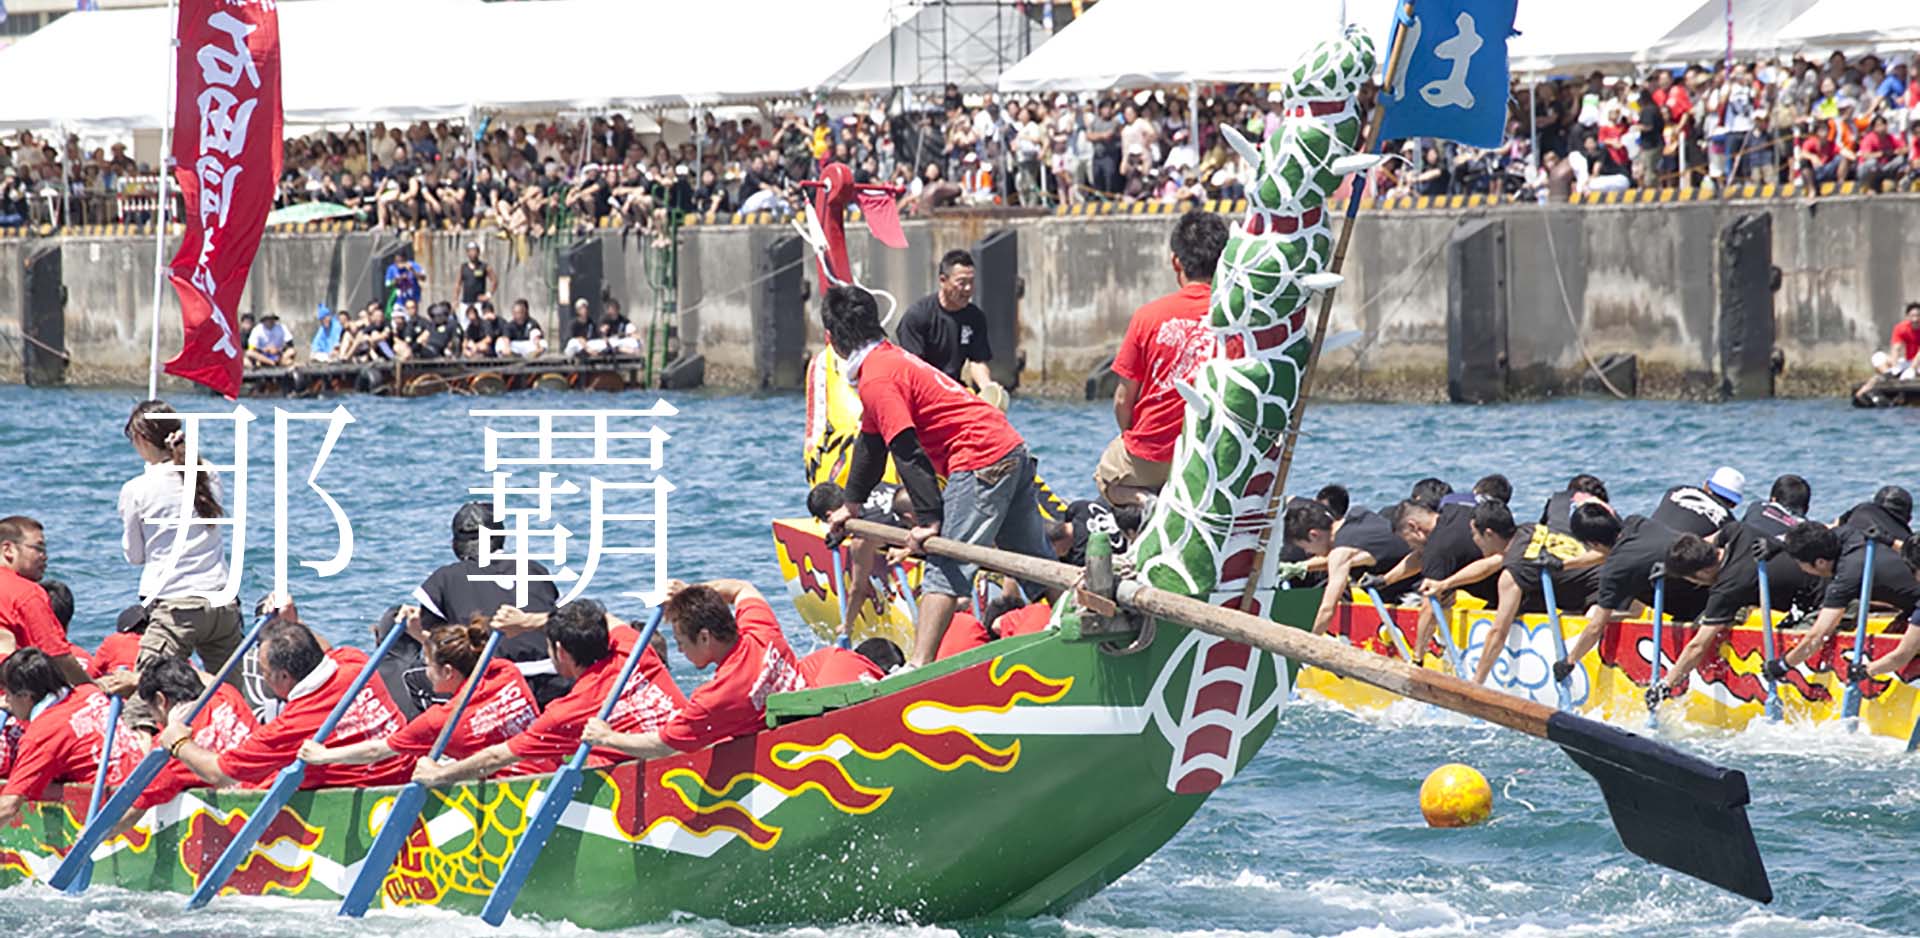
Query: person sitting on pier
[580, 331]
[1626, 585]
[173, 684]
[933, 427]
[483, 333]
[726, 623]
[1902, 357]
[589, 649]
[65, 728]
[1728, 566]
[1558, 512]
[269, 345]
[521, 336]
[501, 707]
[616, 331]
[439, 336]
[327, 331]
[1570, 561]
[1702, 509]
[1838, 554]
[307, 682]
[406, 326]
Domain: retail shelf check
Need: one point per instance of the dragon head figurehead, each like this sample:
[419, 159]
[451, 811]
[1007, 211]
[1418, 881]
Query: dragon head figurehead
[826, 231]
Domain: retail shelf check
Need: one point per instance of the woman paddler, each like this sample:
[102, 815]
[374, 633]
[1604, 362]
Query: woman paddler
[501, 707]
[181, 565]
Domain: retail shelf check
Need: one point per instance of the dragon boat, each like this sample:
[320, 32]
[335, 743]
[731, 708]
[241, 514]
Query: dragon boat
[877, 801]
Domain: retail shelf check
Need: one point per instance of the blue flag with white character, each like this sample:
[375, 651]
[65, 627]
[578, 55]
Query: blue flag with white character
[1453, 80]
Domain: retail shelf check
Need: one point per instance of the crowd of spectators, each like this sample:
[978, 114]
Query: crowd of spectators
[1836, 120]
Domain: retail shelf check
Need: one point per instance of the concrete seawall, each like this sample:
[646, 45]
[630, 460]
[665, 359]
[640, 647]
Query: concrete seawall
[1580, 281]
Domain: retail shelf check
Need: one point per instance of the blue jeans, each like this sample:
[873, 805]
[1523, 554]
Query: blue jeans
[994, 506]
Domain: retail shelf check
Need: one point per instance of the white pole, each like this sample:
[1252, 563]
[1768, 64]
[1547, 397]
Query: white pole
[160, 209]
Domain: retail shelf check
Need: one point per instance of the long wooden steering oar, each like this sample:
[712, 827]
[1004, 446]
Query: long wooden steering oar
[79, 857]
[1673, 809]
[285, 784]
[558, 795]
[81, 882]
[407, 805]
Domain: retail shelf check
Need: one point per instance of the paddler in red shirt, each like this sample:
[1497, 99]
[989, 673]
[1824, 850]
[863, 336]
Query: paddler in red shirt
[172, 684]
[502, 707]
[933, 428]
[308, 682]
[26, 614]
[1167, 341]
[589, 649]
[726, 623]
[65, 730]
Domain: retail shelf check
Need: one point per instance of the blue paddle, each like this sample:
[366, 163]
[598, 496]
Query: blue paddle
[1913, 737]
[408, 804]
[1389, 626]
[1850, 704]
[840, 592]
[85, 879]
[79, 858]
[285, 785]
[559, 794]
[1559, 639]
[1444, 629]
[1766, 629]
[1659, 625]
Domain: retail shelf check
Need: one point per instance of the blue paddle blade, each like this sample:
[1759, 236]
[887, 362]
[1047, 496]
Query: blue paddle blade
[250, 834]
[79, 858]
[1913, 738]
[559, 794]
[386, 846]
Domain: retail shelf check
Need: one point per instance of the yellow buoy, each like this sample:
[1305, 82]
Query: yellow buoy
[1455, 795]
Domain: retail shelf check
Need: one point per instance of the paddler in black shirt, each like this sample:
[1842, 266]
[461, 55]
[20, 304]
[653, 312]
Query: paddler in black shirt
[1894, 661]
[1626, 583]
[1571, 561]
[1786, 505]
[1890, 512]
[1558, 512]
[1084, 517]
[1702, 509]
[1449, 562]
[1729, 569]
[1366, 543]
[1839, 555]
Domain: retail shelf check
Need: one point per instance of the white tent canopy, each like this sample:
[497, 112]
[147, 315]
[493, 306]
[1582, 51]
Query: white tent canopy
[456, 56]
[1702, 37]
[1855, 25]
[1159, 42]
[966, 42]
[1554, 39]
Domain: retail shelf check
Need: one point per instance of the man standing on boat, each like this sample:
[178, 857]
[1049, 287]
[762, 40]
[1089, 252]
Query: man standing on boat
[1839, 555]
[946, 330]
[1570, 561]
[726, 623]
[933, 428]
[1166, 342]
[589, 649]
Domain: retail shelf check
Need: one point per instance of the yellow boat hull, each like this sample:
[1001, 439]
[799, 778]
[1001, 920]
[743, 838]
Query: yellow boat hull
[1726, 693]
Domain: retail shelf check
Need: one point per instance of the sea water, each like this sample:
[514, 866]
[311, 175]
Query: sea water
[1321, 835]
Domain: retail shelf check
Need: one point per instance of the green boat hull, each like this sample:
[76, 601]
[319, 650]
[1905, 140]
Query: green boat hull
[1011, 781]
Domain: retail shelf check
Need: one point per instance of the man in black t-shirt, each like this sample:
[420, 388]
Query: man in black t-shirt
[1786, 505]
[1729, 567]
[1366, 543]
[1890, 512]
[1702, 509]
[1559, 507]
[945, 329]
[482, 332]
[1464, 552]
[1069, 537]
[521, 336]
[438, 337]
[1839, 555]
[580, 331]
[1570, 561]
[477, 281]
[1626, 581]
[450, 595]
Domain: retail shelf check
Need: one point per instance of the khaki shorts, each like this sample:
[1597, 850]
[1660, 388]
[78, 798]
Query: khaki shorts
[180, 628]
[1120, 467]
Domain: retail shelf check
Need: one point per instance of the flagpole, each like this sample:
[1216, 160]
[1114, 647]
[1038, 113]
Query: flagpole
[160, 210]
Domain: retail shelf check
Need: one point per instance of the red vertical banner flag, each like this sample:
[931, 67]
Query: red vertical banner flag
[226, 152]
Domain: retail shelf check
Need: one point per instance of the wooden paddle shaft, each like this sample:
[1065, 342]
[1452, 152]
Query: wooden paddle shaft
[1337, 656]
